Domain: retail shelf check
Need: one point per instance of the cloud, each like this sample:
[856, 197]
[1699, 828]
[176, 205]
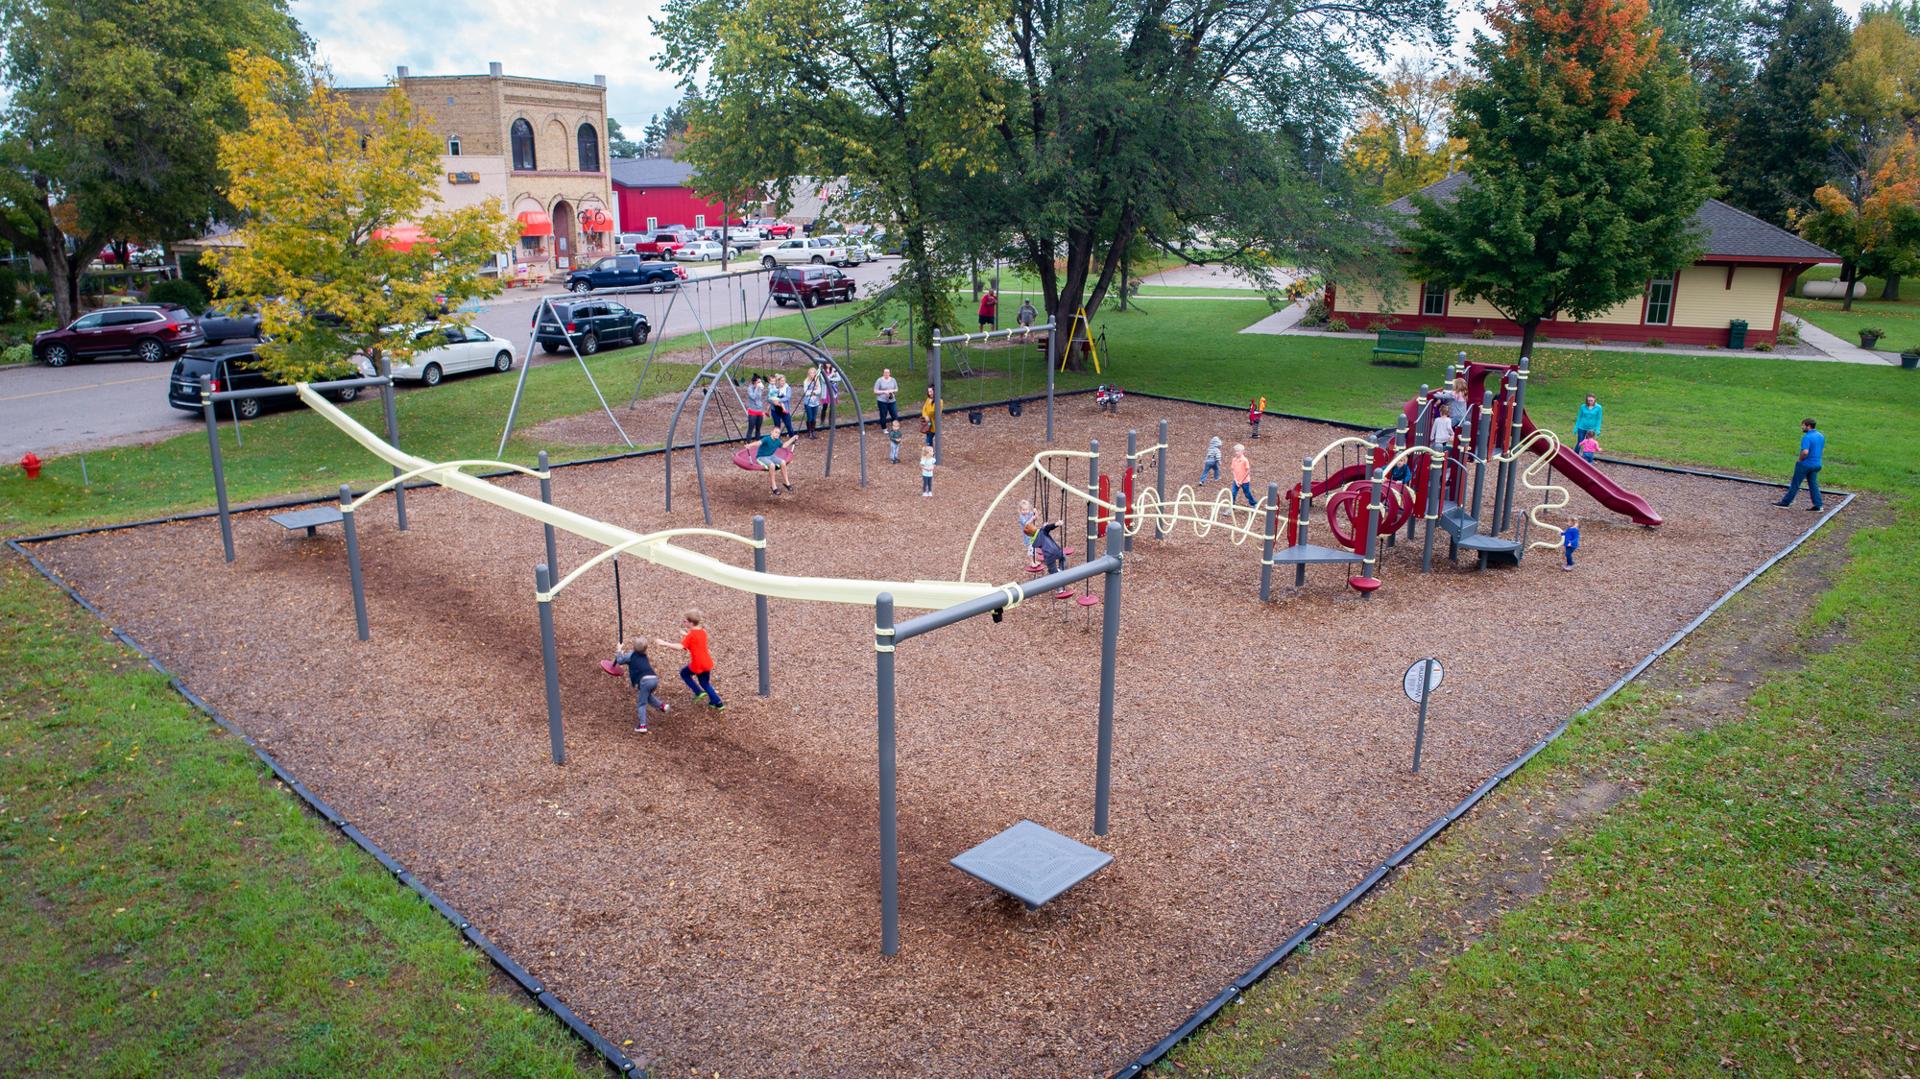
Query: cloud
[364, 40]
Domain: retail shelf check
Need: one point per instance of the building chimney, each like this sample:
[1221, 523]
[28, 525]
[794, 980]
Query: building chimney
[400, 72]
[600, 81]
[493, 69]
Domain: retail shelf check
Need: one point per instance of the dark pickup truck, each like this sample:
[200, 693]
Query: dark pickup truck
[626, 272]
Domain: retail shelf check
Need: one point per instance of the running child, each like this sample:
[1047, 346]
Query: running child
[644, 679]
[698, 673]
[1211, 467]
[1570, 541]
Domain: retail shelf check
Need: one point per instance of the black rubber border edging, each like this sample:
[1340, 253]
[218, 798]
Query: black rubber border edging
[1314, 925]
[533, 987]
[1206, 1012]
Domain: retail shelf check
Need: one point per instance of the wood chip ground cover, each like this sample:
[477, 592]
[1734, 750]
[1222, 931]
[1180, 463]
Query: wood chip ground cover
[709, 891]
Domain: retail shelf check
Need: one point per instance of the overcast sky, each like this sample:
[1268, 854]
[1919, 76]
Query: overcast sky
[363, 40]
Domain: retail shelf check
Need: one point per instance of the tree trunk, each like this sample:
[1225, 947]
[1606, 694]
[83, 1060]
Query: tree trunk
[1891, 290]
[63, 279]
[1529, 331]
[1073, 291]
[1847, 273]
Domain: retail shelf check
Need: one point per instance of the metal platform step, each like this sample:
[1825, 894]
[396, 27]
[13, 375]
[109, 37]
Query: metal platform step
[1492, 545]
[1314, 553]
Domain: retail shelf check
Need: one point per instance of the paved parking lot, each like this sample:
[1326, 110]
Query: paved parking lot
[113, 403]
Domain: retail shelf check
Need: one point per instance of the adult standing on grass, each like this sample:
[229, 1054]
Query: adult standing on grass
[886, 396]
[1806, 467]
[1025, 317]
[989, 309]
[1587, 421]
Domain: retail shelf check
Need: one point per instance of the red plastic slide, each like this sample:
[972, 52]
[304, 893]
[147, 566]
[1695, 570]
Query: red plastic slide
[1595, 483]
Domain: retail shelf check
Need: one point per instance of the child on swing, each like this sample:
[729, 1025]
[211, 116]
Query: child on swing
[1052, 555]
[1029, 532]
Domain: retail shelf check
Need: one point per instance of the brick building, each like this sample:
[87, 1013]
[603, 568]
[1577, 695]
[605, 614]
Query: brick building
[537, 145]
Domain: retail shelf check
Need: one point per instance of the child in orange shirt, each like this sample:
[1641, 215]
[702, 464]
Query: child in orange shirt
[1242, 473]
[699, 661]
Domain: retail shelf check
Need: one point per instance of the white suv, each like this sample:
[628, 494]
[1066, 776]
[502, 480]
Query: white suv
[814, 249]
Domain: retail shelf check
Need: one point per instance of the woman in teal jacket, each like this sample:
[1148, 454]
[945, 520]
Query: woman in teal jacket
[1587, 422]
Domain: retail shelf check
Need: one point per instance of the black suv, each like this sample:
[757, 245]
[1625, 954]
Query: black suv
[587, 324]
[234, 367]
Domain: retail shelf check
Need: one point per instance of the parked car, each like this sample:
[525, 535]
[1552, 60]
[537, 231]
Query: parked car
[809, 285]
[147, 332]
[709, 251]
[226, 322]
[235, 367]
[625, 272]
[440, 351]
[586, 324]
[856, 251]
[818, 250]
[662, 243]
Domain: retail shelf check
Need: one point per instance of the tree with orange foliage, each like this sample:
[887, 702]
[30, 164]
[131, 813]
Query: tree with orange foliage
[1876, 231]
[1588, 165]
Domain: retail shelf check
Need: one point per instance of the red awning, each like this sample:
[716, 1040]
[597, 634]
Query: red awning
[595, 221]
[401, 237]
[535, 223]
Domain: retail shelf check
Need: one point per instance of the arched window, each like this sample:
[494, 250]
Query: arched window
[523, 159]
[589, 143]
[453, 146]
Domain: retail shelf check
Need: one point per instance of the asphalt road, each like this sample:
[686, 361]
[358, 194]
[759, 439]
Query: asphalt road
[115, 403]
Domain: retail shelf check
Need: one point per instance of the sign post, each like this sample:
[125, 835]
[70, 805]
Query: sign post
[1421, 680]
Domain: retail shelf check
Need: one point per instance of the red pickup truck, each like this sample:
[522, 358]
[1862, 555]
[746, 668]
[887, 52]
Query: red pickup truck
[662, 243]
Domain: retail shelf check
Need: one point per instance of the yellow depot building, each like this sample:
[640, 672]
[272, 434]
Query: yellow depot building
[539, 146]
[1743, 275]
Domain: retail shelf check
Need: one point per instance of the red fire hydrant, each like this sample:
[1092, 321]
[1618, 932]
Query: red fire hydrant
[31, 463]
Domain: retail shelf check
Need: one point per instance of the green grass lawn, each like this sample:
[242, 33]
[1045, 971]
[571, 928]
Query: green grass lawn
[1899, 318]
[167, 909]
[1759, 894]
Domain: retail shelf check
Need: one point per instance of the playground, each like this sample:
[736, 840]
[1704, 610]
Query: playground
[707, 891]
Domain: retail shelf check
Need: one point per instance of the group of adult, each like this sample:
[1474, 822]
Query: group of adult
[771, 399]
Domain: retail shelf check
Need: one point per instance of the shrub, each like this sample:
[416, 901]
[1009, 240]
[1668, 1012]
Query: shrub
[1789, 333]
[1338, 326]
[1763, 346]
[1594, 339]
[1655, 342]
[1316, 312]
[16, 354]
[1432, 331]
[1483, 333]
[185, 293]
[1378, 325]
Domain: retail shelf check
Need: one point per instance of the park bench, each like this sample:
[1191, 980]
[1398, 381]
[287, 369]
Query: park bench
[309, 519]
[1031, 863]
[1398, 343]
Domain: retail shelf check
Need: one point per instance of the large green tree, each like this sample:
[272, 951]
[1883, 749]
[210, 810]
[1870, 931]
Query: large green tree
[1778, 153]
[1589, 163]
[113, 115]
[1210, 127]
[1715, 39]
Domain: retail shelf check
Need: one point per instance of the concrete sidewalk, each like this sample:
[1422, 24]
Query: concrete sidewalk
[1837, 348]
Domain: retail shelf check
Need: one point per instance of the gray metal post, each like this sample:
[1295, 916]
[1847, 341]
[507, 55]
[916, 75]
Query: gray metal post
[1109, 667]
[760, 606]
[1303, 507]
[219, 472]
[1420, 729]
[546, 496]
[1436, 471]
[1273, 528]
[1160, 463]
[1485, 432]
[889, 778]
[549, 655]
[393, 439]
[1513, 438]
[1053, 360]
[939, 398]
[1371, 566]
[353, 561]
[1093, 512]
[1133, 444]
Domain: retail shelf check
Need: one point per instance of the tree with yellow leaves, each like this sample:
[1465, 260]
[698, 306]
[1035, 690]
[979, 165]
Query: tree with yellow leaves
[1401, 144]
[1875, 228]
[343, 245]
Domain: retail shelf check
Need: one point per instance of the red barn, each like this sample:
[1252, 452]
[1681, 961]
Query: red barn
[652, 193]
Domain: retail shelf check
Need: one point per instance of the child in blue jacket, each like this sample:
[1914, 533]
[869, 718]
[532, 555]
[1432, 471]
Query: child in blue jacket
[1570, 541]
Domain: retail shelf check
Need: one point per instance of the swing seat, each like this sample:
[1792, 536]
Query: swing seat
[1087, 600]
[1036, 568]
[611, 668]
[1063, 594]
[748, 457]
[1363, 584]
